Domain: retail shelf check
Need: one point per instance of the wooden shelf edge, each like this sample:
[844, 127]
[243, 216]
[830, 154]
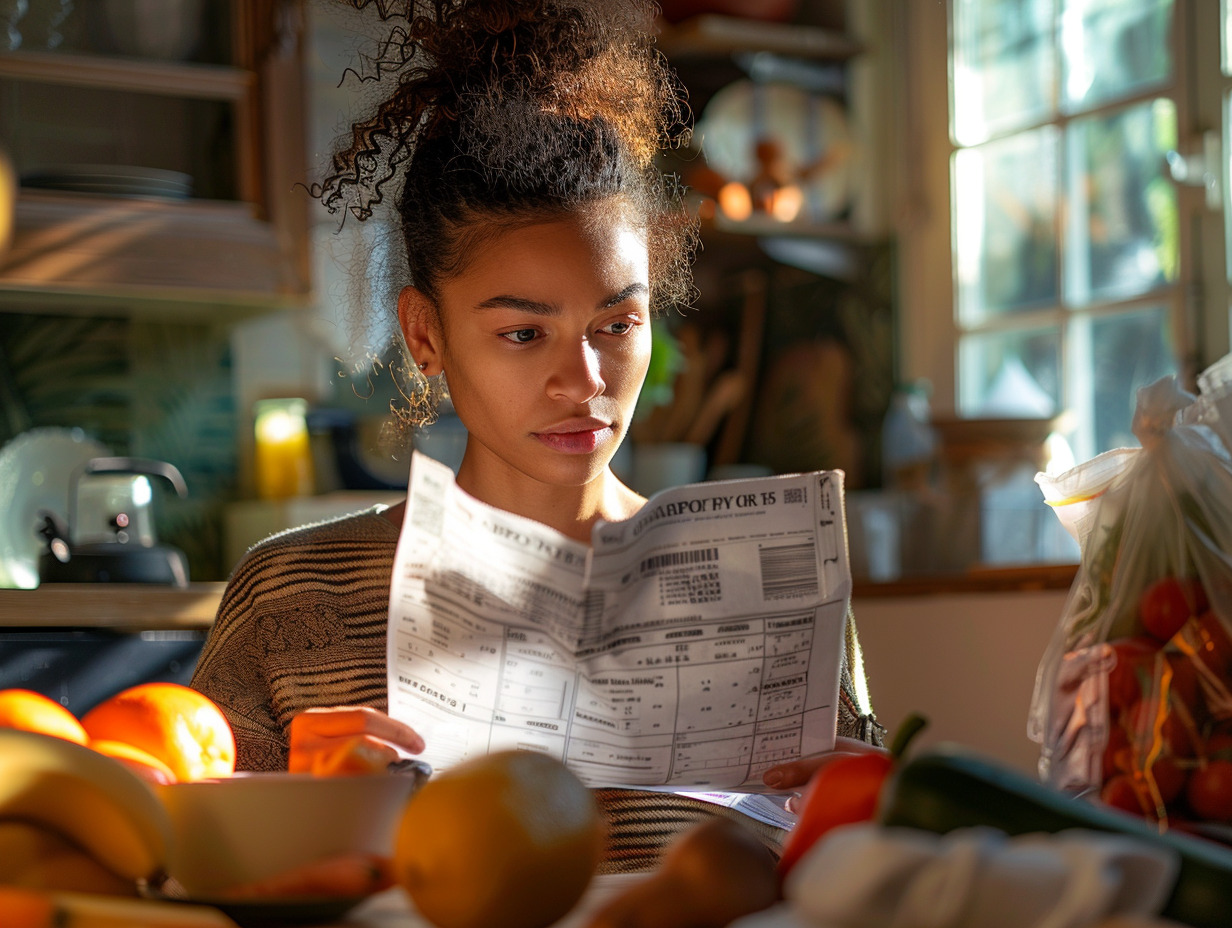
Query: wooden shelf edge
[713, 34]
[164, 78]
[146, 248]
[116, 606]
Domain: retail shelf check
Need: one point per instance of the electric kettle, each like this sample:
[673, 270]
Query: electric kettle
[109, 536]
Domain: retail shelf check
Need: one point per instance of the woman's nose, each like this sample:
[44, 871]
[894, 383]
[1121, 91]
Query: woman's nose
[576, 375]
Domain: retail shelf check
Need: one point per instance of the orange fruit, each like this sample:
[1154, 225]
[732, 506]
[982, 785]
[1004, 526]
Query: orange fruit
[511, 839]
[140, 762]
[176, 724]
[31, 711]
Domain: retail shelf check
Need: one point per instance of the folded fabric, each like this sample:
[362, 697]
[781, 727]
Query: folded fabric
[869, 876]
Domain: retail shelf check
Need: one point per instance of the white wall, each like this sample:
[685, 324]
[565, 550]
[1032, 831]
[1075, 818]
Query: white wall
[967, 661]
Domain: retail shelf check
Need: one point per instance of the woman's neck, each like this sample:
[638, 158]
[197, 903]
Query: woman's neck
[572, 511]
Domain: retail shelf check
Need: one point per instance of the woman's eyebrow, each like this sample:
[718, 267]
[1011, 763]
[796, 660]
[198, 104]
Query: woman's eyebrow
[551, 309]
[630, 291]
[520, 304]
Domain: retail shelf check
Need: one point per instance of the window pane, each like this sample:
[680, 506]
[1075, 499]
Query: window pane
[1225, 37]
[1111, 357]
[1005, 195]
[1110, 48]
[1010, 374]
[1225, 179]
[1123, 214]
[1003, 65]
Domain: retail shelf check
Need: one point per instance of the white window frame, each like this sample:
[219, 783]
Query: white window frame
[914, 37]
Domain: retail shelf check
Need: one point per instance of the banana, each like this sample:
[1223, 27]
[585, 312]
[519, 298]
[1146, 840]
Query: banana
[93, 800]
[35, 857]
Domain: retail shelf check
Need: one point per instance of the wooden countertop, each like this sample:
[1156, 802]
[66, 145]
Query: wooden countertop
[118, 606]
[139, 606]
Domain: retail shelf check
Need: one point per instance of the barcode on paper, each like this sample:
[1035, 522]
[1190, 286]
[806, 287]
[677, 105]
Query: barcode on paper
[788, 571]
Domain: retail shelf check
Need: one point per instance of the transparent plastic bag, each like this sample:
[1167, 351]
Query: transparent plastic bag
[1132, 697]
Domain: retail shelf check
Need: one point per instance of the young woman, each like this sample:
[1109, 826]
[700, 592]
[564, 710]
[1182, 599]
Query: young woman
[540, 239]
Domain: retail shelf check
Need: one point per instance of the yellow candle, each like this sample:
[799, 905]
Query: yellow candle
[283, 453]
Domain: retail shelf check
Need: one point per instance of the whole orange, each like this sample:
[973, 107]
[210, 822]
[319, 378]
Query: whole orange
[511, 838]
[31, 711]
[179, 726]
[140, 762]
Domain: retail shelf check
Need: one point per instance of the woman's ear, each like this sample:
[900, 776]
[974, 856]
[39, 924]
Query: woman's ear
[416, 315]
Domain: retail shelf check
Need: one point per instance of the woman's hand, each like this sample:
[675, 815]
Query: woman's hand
[795, 775]
[331, 739]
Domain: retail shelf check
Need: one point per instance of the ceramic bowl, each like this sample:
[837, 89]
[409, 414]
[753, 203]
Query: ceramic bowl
[244, 828]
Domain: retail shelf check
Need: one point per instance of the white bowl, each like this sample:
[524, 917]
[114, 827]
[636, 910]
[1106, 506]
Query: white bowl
[251, 826]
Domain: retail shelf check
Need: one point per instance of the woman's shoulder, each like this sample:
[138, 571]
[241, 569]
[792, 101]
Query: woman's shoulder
[366, 530]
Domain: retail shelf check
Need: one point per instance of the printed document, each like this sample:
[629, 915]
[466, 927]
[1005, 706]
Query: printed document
[689, 647]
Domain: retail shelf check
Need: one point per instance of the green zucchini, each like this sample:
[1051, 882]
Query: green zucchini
[947, 788]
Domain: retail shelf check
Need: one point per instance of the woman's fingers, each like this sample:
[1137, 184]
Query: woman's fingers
[340, 730]
[797, 773]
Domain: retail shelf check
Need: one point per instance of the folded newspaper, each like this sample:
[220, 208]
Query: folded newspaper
[689, 647]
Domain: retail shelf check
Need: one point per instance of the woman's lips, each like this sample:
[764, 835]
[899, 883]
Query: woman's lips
[576, 439]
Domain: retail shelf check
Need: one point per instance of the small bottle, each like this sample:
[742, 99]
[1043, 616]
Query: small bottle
[908, 440]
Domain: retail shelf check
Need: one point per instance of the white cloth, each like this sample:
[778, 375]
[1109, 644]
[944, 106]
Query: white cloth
[870, 876]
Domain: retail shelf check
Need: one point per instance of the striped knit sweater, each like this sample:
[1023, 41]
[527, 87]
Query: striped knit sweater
[303, 623]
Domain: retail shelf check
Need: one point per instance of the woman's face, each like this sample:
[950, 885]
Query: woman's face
[544, 339]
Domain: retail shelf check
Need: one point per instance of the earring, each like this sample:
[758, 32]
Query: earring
[423, 365]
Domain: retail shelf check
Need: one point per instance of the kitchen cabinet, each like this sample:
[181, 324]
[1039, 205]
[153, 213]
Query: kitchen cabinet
[156, 164]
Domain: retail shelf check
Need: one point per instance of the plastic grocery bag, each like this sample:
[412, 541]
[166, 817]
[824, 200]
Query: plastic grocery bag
[1132, 696]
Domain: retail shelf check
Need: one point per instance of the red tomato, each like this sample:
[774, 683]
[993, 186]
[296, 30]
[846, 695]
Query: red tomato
[1135, 660]
[1170, 779]
[1121, 792]
[1118, 755]
[1210, 791]
[1210, 641]
[1167, 604]
[1219, 745]
[1183, 685]
[843, 792]
[1147, 718]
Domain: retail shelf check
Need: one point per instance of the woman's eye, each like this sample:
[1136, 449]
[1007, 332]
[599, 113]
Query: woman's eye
[618, 328]
[521, 336]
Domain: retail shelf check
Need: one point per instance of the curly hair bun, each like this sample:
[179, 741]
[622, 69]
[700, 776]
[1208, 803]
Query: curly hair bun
[475, 69]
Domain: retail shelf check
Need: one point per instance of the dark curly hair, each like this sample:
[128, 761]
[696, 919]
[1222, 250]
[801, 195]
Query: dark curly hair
[514, 111]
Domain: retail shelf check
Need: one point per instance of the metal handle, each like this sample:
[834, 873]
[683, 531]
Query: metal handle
[124, 465]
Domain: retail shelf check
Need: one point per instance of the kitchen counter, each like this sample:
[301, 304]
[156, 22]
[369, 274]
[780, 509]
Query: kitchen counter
[114, 606]
[393, 909]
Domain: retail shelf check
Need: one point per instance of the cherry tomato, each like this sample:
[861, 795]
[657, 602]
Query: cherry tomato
[1146, 719]
[1183, 686]
[1210, 641]
[1210, 791]
[1135, 660]
[1118, 755]
[1218, 745]
[1167, 604]
[1122, 792]
[1170, 779]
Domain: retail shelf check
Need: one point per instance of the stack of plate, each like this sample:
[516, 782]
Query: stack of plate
[36, 471]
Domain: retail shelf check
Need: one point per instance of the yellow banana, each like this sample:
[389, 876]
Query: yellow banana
[36, 857]
[27, 908]
[93, 800]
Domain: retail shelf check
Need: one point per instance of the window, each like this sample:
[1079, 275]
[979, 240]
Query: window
[1082, 246]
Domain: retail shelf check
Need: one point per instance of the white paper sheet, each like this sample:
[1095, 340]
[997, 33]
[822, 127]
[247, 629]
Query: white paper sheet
[694, 644]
